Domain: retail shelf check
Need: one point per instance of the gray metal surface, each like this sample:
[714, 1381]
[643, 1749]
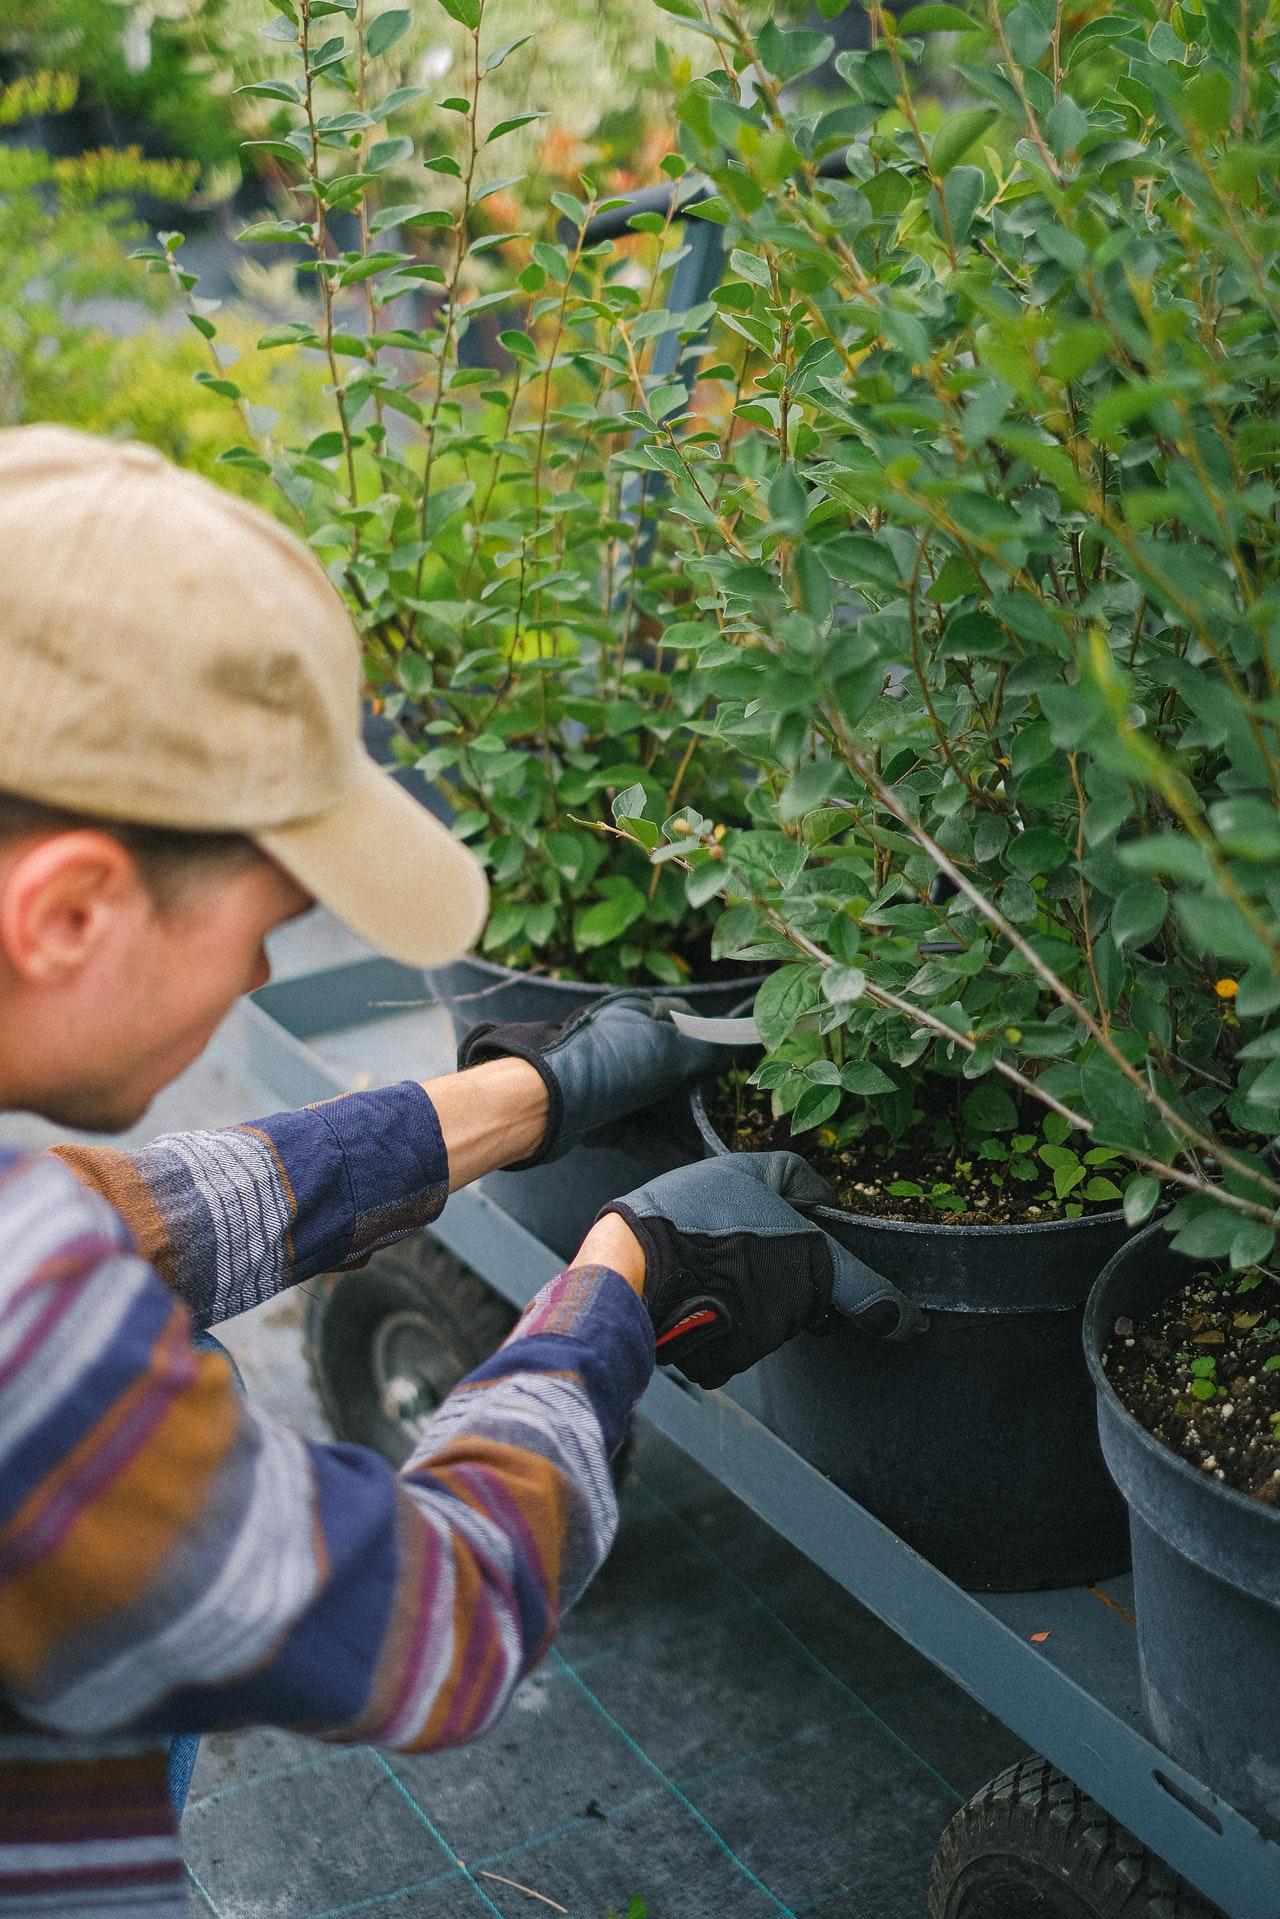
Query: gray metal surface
[1059, 1669]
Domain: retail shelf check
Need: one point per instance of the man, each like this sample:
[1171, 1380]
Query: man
[180, 772]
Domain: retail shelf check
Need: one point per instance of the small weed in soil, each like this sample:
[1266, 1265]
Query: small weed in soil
[1201, 1372]
[951, 1163]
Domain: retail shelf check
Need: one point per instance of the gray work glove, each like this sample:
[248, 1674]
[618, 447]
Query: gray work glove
[733, 1270]
[615, 1057]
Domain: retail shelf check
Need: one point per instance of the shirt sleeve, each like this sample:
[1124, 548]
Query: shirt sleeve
[230, 1218]
[172, 1560]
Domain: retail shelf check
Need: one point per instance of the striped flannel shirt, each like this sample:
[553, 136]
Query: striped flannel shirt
[172, 1560]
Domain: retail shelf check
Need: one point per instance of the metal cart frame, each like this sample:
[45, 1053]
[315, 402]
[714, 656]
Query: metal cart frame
[1059, 1669]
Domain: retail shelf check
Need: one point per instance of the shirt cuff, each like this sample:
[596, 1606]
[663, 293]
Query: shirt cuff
[362, 1171]
[587, 1322]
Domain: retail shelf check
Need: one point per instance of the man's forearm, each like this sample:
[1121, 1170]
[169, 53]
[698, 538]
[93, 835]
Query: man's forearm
[490, 1116]
[230, 1218]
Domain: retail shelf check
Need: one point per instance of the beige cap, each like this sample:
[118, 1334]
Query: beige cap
[170, 656]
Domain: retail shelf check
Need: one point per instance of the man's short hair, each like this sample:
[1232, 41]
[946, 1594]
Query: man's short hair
[169, 858]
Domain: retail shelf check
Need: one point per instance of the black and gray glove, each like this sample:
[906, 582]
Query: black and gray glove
[613, 1058]
[733, 1270]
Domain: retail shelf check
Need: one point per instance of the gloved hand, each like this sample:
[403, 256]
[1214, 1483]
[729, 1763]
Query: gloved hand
[614, 1057]
[733, 1270]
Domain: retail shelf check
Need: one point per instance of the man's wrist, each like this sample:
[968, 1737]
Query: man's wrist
[612, 1243]
[491, 1116]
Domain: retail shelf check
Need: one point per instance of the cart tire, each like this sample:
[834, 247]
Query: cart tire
[388, 1341]
[1031, 1846]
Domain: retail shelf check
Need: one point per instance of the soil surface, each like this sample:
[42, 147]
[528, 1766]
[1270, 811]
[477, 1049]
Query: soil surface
[1201, 1372]
[863, 1172]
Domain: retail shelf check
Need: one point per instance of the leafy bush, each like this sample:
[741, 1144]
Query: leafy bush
[65, 225]
[989, 559]
[132, 62]
[509, 572]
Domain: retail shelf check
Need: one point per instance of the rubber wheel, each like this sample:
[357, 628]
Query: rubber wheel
[388, 1341]
[1032, 1846]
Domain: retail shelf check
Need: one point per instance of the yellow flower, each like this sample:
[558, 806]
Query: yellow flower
[1226, 988]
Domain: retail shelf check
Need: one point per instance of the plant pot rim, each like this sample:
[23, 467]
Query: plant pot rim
[1113, 1216]
[499, 972]
[1198, 1484]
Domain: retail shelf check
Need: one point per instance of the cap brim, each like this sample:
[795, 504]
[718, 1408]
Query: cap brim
[388, 870]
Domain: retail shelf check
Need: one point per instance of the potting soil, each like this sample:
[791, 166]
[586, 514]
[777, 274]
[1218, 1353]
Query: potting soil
[1201, 1372]
[864, 1171]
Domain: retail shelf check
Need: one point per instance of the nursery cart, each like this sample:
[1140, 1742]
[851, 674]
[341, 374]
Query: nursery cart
[1059, 1669]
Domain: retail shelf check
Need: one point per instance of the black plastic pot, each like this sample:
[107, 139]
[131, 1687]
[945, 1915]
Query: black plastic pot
[977, 1443]
[558, 1202]
[1206, 1572]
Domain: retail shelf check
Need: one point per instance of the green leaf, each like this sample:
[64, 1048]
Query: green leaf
[841, 985]
[1067, 1178]
[290, 233]
[1207, 97]
[385, 29]
[465, 12]
[1138, 913]
[509, 126]
[962, 195]
[630, 804]
[814, 1105]
[1251, 1243]
[1115, 1105]
[935, 18]
[956, 135]
[571, 854]
[1173, 853]
[1029, 37]
[643, 830]
[956, 577]
[739, 927]
[1038, 850]
[1247, 827]
[783, 998]
[705, 881]
[608, 919]
[1066, 126]
[371, 265]
[1100, 1189]
[494, 60]
[865, 1078]
[807, 788]
[1209, 1235]
[1265, 1089]
[399, 97]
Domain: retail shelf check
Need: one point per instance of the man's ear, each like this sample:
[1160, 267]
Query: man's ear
[61, 898]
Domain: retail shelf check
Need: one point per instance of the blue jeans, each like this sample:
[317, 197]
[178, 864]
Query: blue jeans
[184, 1750]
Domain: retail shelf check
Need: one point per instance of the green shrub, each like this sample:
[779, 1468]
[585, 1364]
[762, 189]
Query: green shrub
[508, 572]
[991, 553]
[65, 227]
[140, 62]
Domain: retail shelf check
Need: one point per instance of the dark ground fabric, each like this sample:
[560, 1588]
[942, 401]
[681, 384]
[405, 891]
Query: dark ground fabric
[721, 1731]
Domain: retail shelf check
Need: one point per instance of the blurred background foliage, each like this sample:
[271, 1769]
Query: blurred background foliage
[118, 116]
